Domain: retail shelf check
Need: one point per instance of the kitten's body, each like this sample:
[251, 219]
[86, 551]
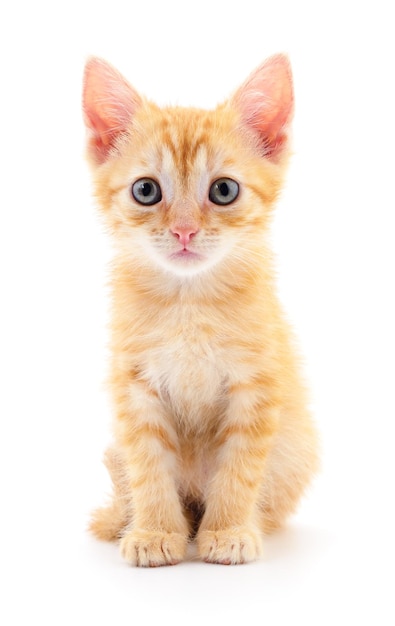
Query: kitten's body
[210, 412]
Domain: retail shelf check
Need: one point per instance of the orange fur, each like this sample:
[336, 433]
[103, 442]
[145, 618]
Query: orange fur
[210, 412]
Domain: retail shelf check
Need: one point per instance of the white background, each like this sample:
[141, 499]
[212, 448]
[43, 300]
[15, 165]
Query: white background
[333, 235]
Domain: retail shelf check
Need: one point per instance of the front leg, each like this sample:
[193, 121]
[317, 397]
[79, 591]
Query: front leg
[230, 532]
[158, 533]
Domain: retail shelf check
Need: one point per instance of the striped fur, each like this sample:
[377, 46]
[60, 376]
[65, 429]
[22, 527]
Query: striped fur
[211, 430]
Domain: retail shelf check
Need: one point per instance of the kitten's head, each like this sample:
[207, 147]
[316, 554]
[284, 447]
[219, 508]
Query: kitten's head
[185, 190]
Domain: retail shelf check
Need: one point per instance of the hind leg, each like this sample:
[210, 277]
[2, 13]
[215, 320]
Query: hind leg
[290, 468]
[109, 522]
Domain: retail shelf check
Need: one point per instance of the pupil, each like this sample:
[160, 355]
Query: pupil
[224, 189]
[146, 189]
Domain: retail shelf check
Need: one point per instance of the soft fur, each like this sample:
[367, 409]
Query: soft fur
[212, 436]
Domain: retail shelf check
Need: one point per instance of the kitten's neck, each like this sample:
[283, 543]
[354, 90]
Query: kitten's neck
[221, 283]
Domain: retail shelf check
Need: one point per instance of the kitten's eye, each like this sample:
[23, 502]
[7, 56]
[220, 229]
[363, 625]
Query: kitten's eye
[223, 191]
[146, 191]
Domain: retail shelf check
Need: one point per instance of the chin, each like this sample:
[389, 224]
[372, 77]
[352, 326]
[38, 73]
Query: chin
[185, 265]
[188, 266]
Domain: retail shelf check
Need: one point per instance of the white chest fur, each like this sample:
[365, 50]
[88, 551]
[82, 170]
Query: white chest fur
[186, 363]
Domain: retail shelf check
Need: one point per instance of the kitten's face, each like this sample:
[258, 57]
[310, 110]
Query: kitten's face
[185, 190]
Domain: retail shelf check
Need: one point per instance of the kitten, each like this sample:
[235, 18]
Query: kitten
[211, 434]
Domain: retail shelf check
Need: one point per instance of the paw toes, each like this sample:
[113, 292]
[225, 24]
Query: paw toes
[153, 549]
[227, 547]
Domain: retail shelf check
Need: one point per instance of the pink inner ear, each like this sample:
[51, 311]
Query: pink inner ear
[109, 103]
[265, 102]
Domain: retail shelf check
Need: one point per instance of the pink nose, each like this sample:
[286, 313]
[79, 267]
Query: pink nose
[184, 234]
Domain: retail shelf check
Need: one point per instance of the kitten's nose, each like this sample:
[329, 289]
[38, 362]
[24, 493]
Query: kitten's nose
[184, 234]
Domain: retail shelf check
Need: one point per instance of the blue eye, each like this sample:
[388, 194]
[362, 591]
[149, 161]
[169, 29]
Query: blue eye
[223, 191]
[146, 191]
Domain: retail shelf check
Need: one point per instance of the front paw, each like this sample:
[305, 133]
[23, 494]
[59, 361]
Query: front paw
[146, 548]
[230, 546]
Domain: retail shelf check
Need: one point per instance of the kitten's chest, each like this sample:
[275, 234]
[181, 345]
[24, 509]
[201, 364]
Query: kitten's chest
[186, 362]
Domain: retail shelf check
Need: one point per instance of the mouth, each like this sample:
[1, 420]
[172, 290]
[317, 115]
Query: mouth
[186, 255]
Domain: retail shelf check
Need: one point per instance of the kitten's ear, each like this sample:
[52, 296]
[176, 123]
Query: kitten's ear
[109, 103]
[265, 103]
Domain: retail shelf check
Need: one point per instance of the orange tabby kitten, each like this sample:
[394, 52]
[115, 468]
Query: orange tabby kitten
[212, 435]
